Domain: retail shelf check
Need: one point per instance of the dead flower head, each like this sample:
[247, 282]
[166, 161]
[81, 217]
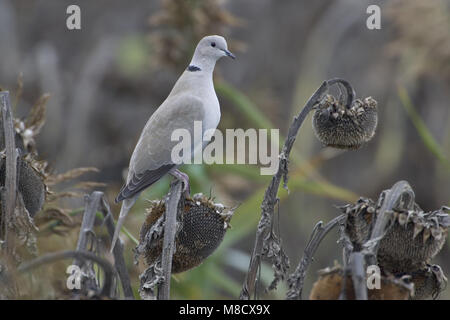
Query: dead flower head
[200, 231]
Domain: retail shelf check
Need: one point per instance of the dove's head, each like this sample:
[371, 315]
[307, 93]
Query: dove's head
[209, 50]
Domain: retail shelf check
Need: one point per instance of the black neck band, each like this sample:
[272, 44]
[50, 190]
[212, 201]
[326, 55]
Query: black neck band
[193, 68]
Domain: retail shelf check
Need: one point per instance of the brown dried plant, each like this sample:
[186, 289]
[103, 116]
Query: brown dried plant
[179, 24]
[39, 209]
[424, 46]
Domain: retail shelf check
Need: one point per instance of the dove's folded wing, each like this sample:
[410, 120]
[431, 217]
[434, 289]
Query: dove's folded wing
[152, 157]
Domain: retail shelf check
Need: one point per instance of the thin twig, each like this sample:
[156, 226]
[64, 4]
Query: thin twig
[78, 255]
[10, 189]
[296, 279]
[170, 227]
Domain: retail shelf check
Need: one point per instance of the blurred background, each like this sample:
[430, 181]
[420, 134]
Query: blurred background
[106, 79]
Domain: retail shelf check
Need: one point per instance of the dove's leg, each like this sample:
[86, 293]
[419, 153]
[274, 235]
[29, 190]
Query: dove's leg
[184, 178]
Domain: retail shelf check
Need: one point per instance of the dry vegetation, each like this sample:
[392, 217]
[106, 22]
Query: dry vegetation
[81, 131]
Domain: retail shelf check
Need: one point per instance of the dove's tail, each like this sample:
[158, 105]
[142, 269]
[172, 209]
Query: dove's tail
[126, 206]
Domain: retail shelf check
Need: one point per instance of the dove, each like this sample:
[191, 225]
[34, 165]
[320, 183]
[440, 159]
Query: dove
[192, 98]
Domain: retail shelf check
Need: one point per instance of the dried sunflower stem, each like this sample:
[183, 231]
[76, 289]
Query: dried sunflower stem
[170, 227]
[9, 191]
[93, 203]
[350, 91]
[296, 279]
[86, 232]
[358, 275]
[119, 261]
[346, 252]
[78, 255]
[368, 256]
[87, 225]
[270, 196]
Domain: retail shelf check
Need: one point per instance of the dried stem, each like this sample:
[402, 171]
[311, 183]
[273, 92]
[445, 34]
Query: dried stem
[105, 291]
[170, 228]
[10, 189]
[358, 275]
[296, 279]
[94, 203]
[87, 225]
[270, 196]
[119, 261]
[350, 91]
[86, 234]
[346, 252]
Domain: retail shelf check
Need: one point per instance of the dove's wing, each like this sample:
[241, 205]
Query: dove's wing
[151, 158]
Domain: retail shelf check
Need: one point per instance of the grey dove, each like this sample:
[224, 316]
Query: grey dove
[192, 98]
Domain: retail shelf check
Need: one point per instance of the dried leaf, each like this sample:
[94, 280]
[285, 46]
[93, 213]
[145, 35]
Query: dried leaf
[273, 251]
[19, 89]
[58, 214]
[36, 119]
[395, 215]
[71, 174]
[66, 194]
[89, 185]
[426, 234]
[436, 233]
[418, 227]
[402, 219]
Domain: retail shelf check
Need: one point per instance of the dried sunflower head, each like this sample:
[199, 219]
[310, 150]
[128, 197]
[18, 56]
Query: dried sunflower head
[413, 240]
[201, 229]
[338, 126]
[331, 281]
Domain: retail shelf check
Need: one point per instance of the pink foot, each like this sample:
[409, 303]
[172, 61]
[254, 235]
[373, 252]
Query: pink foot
[185, 179]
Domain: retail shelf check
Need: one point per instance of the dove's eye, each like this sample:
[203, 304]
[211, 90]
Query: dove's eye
[213, 44]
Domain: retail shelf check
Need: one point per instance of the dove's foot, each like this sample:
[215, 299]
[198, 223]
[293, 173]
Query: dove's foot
[185, 179]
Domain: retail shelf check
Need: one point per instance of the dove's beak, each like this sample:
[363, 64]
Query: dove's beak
[229, 54]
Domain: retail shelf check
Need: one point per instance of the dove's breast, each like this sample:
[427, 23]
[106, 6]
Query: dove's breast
[212, 112]
[200, 84]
